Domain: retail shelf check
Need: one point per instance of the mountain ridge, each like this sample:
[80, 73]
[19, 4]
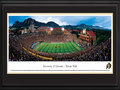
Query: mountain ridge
[27, 22]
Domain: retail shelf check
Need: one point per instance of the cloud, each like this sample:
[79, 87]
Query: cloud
[103, 21]
[75, 20]
[46, 19]
[63, 20]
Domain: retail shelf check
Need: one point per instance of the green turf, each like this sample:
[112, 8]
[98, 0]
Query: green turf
[66, 47]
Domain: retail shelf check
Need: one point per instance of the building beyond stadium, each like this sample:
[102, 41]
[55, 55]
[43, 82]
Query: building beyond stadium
[85, 35]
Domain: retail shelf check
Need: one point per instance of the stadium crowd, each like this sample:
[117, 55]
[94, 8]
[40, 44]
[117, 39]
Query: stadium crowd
[20, 45]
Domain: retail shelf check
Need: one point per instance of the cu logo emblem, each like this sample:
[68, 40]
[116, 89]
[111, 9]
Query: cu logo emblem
[108, 66]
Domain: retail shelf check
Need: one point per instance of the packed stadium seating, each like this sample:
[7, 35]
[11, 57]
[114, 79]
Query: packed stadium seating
[19, 49]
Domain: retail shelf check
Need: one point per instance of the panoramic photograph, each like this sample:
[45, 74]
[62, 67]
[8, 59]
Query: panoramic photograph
[59, 37]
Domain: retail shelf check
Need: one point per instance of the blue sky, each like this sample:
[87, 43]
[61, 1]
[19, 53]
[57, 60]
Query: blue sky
[102, 21]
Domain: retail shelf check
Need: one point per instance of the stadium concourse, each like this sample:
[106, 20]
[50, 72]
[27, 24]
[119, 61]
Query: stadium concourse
[39, 46]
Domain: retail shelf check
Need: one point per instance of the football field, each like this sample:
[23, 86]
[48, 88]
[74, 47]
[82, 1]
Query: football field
[65, 47]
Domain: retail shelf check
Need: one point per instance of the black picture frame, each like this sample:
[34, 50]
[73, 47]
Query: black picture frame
[60, 81]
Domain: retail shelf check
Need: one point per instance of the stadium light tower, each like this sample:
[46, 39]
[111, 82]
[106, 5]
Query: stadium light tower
[63, 29]
[84, 31]
[51, 28]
